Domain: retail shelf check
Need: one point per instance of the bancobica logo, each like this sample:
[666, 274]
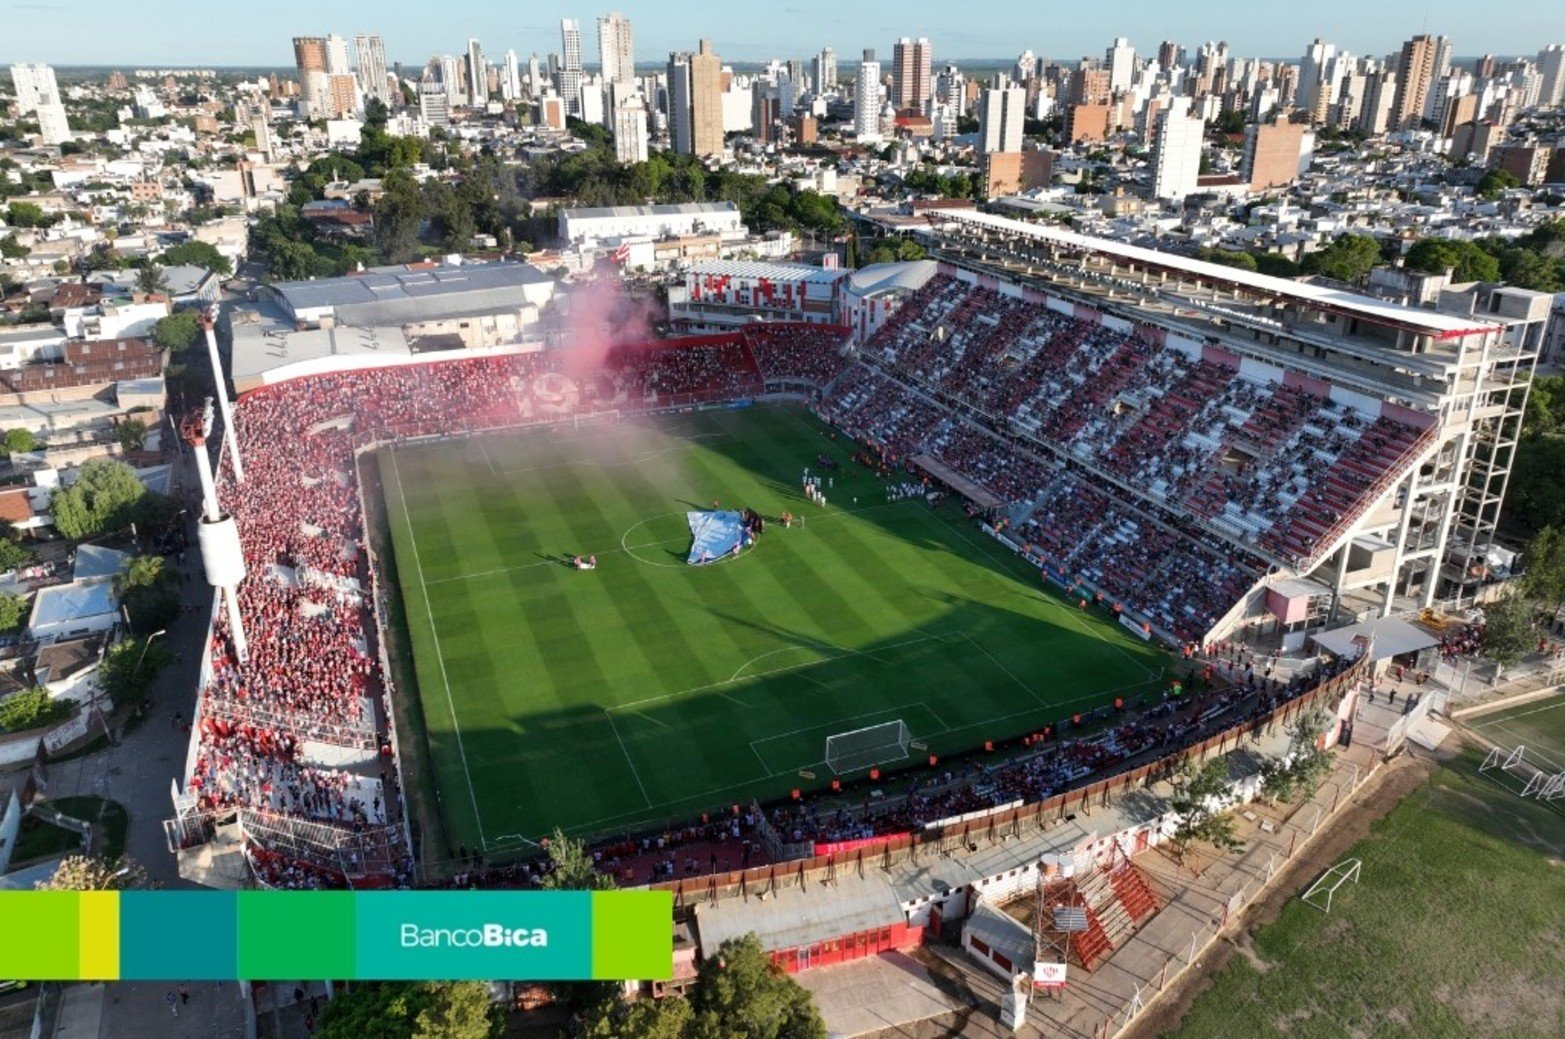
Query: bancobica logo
[487, 936]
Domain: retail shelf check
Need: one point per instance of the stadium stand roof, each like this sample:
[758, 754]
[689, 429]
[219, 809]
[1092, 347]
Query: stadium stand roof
[1368, 308]
[885, 277]
[771, 271]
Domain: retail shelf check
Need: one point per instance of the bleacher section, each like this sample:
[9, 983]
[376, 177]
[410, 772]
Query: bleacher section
[1167, 476]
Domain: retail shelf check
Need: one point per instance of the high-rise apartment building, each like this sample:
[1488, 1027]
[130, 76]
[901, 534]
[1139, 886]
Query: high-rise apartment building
[477, 75]
[53, 126]
[695, 101]
[337, 56]
[1121, 61]
[630, 130]
[1274, 153]
[706, 100]
[1169, 55]
[1416, 70]
[371, 53]
[434, 104]
[1003, 109]
[309, 55]
[616, 50]
[511, 78]
[912, 62]
[1176, 161]
[1551, 63]
[568, 80]
[826, 71]
[951, 89]
[866, 98]
[33, 83]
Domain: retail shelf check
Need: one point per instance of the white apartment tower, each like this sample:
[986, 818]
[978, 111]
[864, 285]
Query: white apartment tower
[1002, 111]
[33, 83]
[1121, 61]
[511, 82]
[371, 52]
[569, 80]
[1551, 63]
[867, 99]
[826, 71]
[1176, 161]
[616, 49]
[630, 131]
[477, 76]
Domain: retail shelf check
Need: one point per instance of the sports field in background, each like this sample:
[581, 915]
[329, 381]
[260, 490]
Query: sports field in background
[1538, 726]
[1455, 930]
[649, 690]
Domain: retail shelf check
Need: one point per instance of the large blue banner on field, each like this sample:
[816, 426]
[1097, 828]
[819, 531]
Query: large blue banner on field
[714, 535]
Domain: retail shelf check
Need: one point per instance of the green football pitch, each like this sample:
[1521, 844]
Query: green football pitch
[649, 690]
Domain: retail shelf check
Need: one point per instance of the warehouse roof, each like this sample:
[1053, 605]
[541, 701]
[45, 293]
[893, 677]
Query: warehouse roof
[417, 291]
[674, 209]
[770, 271]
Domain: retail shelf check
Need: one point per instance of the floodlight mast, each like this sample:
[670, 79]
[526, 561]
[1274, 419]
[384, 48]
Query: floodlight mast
[230, 435]
[217, 534]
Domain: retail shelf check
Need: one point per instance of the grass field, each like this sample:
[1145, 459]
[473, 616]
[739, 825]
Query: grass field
[649, 690]
[1539, 726]
[1455, 930]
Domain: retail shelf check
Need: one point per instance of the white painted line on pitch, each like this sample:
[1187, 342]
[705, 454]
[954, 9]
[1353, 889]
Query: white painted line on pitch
[1532, 748]
[841, 654]
[439, 653]
[993, 660]
[626, 751]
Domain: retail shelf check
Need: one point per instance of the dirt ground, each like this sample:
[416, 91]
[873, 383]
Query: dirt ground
[1379, 796]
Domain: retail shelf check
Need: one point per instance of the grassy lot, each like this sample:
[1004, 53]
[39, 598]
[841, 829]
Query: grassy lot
[649, 689]
[1456, 930]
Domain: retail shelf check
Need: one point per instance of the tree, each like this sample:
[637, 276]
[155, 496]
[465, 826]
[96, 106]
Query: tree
[196, 253]
[1496, 183]
[418, 1009]
[1466, 261]
[151, 279]
[19, 440]
[571, 867]
[11, 249]
[1507, 630]
[1350, 258]
[667, 1018]
[13, 611]
[31, 709]
[1199, 793]
[89, 873]
[141, 572]
[1545, 580]
[178, 331]
[741, 994]
[12, 555]
[106, 497]
[131, 434]
[27, 214]
[1304, 766]
[129, 668]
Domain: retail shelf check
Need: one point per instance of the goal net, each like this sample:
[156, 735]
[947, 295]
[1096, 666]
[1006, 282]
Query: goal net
[872, 745]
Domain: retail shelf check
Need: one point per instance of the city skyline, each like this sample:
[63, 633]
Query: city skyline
[142, 36]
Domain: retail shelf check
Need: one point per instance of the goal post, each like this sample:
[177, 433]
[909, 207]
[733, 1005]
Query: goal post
[596, 418]
[872, 745]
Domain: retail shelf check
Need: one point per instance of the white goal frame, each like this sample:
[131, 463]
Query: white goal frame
[872, 745]
[1338, 875]
[595, 418]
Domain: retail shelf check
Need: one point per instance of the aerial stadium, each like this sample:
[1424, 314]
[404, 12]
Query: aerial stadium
[871, 560]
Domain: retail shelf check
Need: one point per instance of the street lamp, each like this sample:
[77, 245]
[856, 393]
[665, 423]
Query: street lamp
[148, 643]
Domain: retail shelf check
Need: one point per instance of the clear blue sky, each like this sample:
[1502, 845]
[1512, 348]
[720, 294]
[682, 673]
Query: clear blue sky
[258, 32]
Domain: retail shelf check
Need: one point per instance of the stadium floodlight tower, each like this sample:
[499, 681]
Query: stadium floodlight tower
[218, 534]
[209, 327]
